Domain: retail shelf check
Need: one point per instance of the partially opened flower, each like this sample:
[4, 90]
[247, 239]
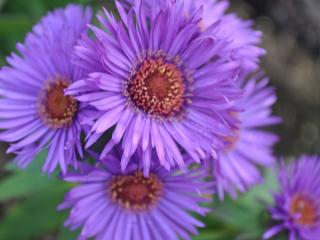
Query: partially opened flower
[243, 38]
[33, 108]
[297, 205]
[162, 84]
[112, 204]
[237, 167]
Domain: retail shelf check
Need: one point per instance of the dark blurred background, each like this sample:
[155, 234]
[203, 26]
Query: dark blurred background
[292, 39]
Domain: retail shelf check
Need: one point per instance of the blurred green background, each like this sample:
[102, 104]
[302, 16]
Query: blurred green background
[292, 38]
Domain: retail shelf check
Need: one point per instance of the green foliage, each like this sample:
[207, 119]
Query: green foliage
[65, 234]
[18, 16]
[242, 219]
[34, 216]
[25, 183]
[30, 200]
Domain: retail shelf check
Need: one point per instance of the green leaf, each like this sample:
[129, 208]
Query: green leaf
[261, 192]
[14, 23]
[65, 234]
[35, 216]
[213, 235]
[36, 197]
[22, 183]
[247, 216]
[2, 2]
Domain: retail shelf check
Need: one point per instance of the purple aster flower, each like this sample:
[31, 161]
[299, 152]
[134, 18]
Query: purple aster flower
[297, 205]
[35, 113]
[113, 204]
[169, 92]
[243, 38]
[236, 168]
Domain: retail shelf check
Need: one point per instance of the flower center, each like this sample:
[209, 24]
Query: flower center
[136, 192]
[157, 88]
[305, 207]
[57, 109]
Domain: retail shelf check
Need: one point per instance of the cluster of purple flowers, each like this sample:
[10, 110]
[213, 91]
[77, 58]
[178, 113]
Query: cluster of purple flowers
[170, 97]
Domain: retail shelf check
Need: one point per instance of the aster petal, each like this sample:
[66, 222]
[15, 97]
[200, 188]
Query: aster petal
[273, 231]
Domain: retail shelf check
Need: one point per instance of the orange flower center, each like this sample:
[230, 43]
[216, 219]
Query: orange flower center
[136, 192]
[305, 207]
[57, 109]
[157, 88]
